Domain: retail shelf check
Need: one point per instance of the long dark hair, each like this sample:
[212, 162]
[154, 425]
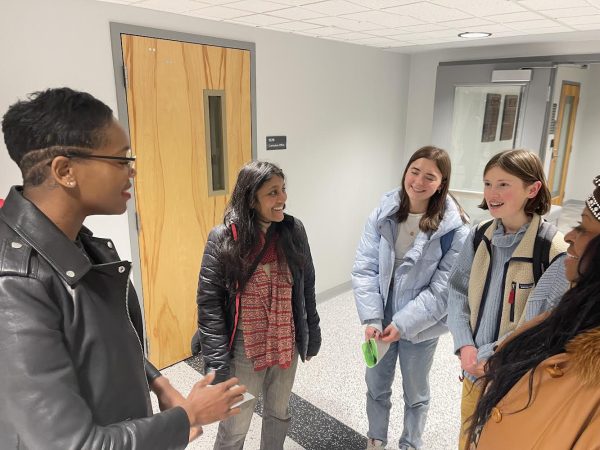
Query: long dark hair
[577, 312]
[240, 212]
[437, 203]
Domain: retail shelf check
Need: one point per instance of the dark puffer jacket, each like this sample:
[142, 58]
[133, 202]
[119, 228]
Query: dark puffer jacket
[217, 313]
[71, 364]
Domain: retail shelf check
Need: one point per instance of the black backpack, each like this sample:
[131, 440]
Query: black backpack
[541, 247]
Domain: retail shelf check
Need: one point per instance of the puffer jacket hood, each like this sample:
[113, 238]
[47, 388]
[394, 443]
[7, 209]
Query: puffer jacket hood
[390, 204]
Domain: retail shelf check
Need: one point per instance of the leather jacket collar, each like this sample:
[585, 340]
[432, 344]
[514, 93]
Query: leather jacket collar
[43, 236]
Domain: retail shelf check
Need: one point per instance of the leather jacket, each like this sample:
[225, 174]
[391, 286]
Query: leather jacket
[217, 314]
[72, 371]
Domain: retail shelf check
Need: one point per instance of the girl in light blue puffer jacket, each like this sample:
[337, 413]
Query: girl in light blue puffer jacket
[400, 274]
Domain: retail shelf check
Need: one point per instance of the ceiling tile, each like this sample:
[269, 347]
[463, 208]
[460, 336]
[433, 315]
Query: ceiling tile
[294, 26]
[551, 4]
[259, 20]
[327, 31]
[218, 13]
[120, 2]
[379, 41]
[436, 40]
[581, 20]
[384, 19]
[256, 6]
[482, 7]
[347, 24]
[381, 4]
[494, 28]
[586, 26]
[428, 12]
[437, 34]
[403, 36]
[571, 12]
[385, 32]
[527, 25]
[297, 13]
[335, 7]
[293, 2]
[352, 36]
[175, 6]
[556, 29]
[215, 2]
[425, 27]
[462, 23]
[515, 17]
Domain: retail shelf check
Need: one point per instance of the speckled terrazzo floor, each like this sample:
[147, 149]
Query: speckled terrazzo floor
[328, 404]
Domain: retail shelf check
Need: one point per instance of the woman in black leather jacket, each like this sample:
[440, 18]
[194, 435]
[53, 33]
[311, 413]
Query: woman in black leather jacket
[72, 368]
[256, 302]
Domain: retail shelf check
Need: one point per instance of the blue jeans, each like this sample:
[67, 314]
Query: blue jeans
[415, 362]
[275, 384]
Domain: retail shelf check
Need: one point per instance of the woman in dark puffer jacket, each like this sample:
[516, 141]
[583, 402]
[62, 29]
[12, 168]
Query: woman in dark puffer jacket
[256, 302]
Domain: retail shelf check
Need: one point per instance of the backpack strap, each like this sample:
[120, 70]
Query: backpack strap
[478, 236]
[541, 249]
[446, 241]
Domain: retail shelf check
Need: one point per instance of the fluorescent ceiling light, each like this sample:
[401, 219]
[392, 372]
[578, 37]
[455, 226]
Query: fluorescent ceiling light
[474, 34]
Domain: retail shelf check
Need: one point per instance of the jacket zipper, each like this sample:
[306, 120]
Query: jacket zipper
[134, 330]
[511, 300]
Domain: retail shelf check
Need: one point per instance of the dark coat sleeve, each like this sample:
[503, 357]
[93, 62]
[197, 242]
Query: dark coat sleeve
[212, 298]
[312, 316]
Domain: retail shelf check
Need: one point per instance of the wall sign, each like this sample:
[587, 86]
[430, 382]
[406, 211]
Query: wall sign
[276, 142]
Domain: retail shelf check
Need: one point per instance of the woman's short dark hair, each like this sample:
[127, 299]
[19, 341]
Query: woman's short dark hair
[55, 117]
[526, 166]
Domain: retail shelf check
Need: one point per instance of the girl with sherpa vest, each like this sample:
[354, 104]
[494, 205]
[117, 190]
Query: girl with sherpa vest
[400, 275]
[495, 273]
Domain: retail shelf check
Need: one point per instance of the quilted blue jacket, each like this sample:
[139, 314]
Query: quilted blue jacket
[420, 282]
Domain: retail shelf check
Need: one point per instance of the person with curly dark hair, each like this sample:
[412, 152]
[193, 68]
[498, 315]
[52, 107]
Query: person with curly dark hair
[541, 389]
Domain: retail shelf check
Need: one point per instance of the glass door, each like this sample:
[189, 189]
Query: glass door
[485, 121]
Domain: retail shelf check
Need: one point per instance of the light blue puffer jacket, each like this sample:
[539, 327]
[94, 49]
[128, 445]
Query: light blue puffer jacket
[420, 282]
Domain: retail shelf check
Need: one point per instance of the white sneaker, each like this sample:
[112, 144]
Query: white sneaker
[374, 444]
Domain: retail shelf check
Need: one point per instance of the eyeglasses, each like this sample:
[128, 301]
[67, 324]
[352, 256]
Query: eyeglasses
[78, 152]
[126, 160]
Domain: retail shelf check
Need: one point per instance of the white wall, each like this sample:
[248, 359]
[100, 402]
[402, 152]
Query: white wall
[584, 163]
[341, 106]
[423, 68]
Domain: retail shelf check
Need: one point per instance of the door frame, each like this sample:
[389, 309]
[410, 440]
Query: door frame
[116, 30]
[571, 132]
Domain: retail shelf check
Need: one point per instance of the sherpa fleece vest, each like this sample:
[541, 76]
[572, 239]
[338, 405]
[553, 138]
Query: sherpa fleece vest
[518, 275]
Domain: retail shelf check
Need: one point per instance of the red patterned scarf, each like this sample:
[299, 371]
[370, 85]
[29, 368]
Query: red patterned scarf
[267, 311]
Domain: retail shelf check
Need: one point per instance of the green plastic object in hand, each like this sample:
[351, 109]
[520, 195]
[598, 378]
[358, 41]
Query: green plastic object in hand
[373, 351]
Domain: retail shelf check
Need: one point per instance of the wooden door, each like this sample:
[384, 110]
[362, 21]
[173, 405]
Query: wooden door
[563, 140]
[185, 171]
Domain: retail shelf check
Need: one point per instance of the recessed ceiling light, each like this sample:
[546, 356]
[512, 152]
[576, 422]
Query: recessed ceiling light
[474, 34]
